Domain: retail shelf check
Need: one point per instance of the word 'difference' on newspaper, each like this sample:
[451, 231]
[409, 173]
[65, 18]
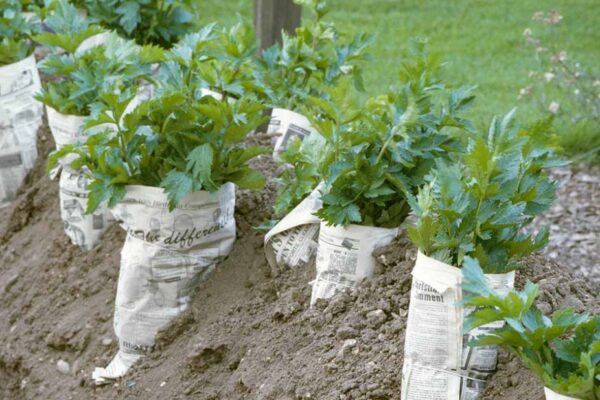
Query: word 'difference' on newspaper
[344, 257]
[165, 256]
[285, 125]
[438, 364]
[20, 118]
[293, 241]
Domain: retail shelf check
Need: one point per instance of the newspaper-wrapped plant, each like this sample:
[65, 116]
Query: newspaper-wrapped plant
[479, 206]
[475, 206]
[82, 68]
[363, 158]
[85, 63]
[20, 114]
[181, 140]
[562, 350]
[156, 22]
[303, 65]
[315, 55]
[168, 169]
[16, 31]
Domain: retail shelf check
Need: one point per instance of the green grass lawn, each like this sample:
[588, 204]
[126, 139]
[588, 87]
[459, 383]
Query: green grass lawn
[481, 40]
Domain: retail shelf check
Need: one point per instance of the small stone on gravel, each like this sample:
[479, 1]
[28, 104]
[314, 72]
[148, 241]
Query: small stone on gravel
[63, 367]
[376, 318]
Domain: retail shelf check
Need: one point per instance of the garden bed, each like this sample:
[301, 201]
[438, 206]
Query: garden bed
[248, 334]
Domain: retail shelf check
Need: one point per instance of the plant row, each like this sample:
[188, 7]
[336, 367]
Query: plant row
[408, 151]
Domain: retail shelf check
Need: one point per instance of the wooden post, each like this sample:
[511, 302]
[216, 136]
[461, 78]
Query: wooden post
[273, 16]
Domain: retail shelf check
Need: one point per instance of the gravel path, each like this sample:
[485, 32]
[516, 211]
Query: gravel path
[575, 220]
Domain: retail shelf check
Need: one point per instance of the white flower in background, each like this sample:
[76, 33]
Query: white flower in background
[548, 76]
[538, 16]
[553, 18]
[532, 74]
[527, 32]
[524, 92]
[553, 107]
[596, 83]
[560, 56]
[576, 92]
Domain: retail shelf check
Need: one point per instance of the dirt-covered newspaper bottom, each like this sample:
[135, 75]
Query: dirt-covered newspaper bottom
[285, 125]
[438, 364]
[166, 254]
[344, 257]
[550, 395]
[20, 118]
[293, 241]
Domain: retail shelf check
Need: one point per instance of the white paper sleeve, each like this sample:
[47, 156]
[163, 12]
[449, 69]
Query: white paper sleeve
[550, 395]
[438, 364]
[286, 124]
[293, 241]
[20, 118]
[166, 254]
[65, 129]
[344, 256]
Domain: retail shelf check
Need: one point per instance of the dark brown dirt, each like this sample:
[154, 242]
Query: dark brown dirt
[248, 334]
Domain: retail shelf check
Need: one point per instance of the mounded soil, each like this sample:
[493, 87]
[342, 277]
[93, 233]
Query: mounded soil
[249, 333]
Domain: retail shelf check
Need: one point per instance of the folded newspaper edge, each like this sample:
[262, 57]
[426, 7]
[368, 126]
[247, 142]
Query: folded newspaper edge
[437, 363]
[20, 117]
[345, 256]
[165, 256]
[286, 124]
[293, 241]
[551, 395]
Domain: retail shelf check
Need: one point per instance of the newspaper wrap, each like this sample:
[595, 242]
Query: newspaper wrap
[293, 241]
[84, 230]
[438, 364]
[550, 395]
[286, 124]
[344, 256]
[66, 129]
[20, 118]
[166, 254]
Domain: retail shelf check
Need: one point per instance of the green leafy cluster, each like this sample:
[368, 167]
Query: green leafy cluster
[16, 30]
[216, 58]
[181, 140]
[374, 153]
[78, 78]
[563, 349]
[478, 205]
[158, 22]
[315, 56]
[68, 29]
